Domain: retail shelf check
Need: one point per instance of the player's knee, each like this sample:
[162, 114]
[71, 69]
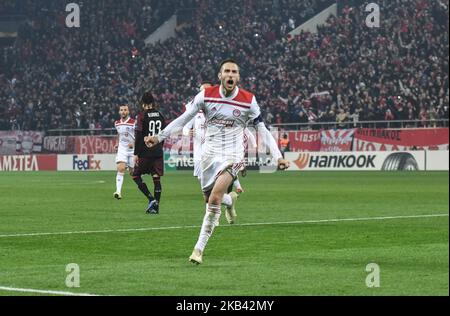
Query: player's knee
[137, 180]
[215, 199]
[206, 196]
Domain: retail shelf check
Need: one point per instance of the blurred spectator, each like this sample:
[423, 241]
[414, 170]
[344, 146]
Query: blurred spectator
[341, 118]
[284, 144]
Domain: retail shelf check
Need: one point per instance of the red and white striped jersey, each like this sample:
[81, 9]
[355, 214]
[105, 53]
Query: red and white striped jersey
[226, 119]
[125, 130]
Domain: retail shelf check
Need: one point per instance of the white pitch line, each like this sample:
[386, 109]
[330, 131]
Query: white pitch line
[379, 218]
[13, 289]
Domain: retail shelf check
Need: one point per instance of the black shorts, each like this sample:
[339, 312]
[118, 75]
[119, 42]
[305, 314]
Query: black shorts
[153, 166]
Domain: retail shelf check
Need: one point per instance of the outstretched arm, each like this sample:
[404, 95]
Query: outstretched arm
[188, 127]
[266, 136]
[179, 123]
[270, 142]
[251, 138]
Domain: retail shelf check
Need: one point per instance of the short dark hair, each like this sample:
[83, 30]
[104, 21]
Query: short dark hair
[228, 60]
[148, 98]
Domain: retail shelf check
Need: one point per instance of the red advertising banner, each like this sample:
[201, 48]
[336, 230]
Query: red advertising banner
[363, 139]
[304, 141]
[28, 162]
[20, 142]
[84, 145]
[336, 140]
[59, 144]
[91, 145]
[366, 139]
[94, 144]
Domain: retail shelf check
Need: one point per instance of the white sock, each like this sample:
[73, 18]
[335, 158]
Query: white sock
[119, 182]
[209, 222]
[237, 184]
[226, 200]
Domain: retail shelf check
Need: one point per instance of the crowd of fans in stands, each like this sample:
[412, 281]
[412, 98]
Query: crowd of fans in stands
[59, 77]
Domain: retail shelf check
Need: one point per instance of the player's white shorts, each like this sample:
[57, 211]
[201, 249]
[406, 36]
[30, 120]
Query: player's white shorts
[125, 156]
[212, 167]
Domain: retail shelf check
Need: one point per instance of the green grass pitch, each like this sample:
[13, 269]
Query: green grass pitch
[286, 256]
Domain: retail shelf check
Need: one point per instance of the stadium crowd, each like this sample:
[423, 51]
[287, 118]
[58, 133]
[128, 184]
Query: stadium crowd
[59, 77]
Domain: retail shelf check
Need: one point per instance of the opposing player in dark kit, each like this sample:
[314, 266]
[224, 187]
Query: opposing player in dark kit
[150, 122]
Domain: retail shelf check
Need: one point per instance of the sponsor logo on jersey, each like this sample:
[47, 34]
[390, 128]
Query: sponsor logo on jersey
[226, 123]
[237, 113]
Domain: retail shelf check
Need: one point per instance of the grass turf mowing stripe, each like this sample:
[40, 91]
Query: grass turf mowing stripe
[335, 220]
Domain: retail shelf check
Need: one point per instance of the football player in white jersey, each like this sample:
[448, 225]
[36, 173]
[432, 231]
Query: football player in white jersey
[197, 128]
[125, 147]
[228, 111]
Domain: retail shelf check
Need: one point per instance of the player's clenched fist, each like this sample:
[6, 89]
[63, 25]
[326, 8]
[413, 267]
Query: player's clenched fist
[151, 141]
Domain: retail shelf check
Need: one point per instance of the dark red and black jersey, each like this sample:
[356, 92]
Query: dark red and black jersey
[148, 123]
